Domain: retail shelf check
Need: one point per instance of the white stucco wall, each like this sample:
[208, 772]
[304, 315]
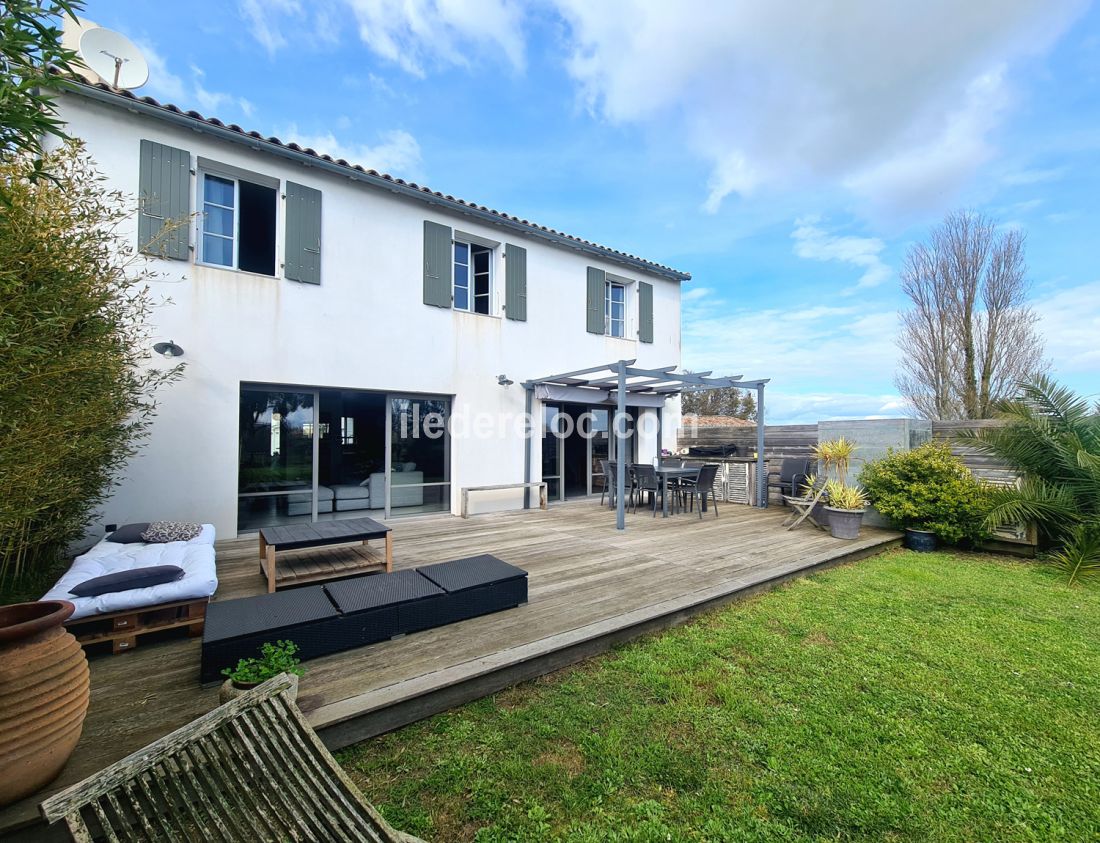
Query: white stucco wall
[364, 327]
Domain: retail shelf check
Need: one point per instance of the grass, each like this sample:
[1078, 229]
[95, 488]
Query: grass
[906, 697]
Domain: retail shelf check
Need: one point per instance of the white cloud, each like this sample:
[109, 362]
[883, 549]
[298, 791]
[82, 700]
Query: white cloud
[163, 84]
[213, 102]
[897, 102]
[813, 242]
[1070, 325]
[1033, 176]
[818, 350]
[263, 18]
[397, 152]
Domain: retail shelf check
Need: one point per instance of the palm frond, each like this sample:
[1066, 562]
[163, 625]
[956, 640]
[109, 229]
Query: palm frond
[1080, 558]
[1058, 403]
[1049, 505]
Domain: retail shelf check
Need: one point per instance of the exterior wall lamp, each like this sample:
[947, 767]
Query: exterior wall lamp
[504, 380]
[168, 350]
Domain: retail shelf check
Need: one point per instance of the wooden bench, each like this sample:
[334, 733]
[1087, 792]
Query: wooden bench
[542, 487]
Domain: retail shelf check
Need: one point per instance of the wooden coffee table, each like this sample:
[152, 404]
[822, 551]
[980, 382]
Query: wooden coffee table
[329, 562]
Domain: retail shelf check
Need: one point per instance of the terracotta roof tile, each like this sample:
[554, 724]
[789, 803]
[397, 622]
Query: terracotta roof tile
[233, 127]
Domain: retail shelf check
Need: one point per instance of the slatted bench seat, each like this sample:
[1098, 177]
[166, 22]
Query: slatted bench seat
[345, 614]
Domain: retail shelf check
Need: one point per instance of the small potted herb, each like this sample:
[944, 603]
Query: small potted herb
[274, 659]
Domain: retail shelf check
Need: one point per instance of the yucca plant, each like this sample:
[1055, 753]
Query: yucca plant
[836, 454]
[843, 496]
[1051, 437]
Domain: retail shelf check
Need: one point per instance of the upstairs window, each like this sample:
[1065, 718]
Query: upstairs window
[238, 224]
[473, 281]
[614, 309]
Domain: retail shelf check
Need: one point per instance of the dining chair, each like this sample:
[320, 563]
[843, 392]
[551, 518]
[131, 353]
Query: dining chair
[703, 487]
[645, 480]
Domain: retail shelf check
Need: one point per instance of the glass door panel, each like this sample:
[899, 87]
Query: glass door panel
[275, 457]
[420, 455]
[552, 428]
[599, 444]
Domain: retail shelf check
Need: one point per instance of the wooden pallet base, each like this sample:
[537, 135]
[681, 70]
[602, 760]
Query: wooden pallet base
[122, 629]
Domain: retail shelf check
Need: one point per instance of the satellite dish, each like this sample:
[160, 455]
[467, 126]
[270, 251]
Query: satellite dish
[113, 58]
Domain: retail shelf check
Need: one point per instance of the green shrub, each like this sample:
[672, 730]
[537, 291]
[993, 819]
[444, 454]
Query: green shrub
[928, 488]
[274, 659]
[75, 389]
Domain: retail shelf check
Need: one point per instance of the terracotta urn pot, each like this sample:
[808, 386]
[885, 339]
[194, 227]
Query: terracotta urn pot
[43, 695]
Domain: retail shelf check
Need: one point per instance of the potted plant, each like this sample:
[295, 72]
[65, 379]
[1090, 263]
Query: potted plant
[43, 695]
[930, 494]
[844, 505]
[274, 659]
[845, 508]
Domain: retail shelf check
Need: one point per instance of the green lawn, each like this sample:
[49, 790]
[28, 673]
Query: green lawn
[905, 697]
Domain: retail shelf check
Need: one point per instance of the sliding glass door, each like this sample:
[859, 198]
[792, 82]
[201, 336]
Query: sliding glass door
[325, 454]
[276, 445]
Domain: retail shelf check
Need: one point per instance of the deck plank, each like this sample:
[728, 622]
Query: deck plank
[586, 581]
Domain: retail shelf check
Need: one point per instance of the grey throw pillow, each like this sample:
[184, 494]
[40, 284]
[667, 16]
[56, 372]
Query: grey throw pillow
[129, 533]
[126, 580]
[160, 532]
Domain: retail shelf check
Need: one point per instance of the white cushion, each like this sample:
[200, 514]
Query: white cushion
[195, 557]
[346, 492]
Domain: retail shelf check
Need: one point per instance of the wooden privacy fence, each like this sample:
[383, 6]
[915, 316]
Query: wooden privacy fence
[798, 440]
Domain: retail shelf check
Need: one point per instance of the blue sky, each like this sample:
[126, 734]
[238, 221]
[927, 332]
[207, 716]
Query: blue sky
[785, 154]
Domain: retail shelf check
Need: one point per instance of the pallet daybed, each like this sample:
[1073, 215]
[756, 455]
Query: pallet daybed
[121, 617]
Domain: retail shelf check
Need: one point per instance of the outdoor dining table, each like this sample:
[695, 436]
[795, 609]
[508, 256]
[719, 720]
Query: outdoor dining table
[667, 473]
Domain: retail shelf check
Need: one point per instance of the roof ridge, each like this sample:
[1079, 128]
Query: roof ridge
[343, 163]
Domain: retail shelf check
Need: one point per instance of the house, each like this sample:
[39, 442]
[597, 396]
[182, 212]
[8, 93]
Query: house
[356, 344]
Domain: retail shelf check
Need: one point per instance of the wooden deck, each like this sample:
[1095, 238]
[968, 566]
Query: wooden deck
[590, 588]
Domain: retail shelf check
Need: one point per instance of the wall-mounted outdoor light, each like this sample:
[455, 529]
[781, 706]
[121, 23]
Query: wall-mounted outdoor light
[168, 350]
[504, 380]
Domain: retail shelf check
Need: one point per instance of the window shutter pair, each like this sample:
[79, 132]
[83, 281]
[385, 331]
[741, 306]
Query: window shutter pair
[597, 279]
[164, 193]
[438, 263]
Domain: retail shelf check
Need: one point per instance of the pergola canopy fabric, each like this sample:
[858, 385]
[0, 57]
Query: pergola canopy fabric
[592, 395]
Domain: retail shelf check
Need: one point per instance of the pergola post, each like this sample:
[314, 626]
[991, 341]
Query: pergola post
[529, 430]
[620, 440]
[761, 478]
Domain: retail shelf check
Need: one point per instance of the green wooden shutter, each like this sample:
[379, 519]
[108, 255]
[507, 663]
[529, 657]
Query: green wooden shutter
[164, 194]
[302, 260]
[437, 264]
[515, 282]
[596, 280]
[645, 311]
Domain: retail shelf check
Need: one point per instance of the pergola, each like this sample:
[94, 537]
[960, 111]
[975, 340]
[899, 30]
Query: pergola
[616, 381]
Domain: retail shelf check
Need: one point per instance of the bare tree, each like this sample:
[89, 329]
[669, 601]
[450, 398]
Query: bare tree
[970, 335]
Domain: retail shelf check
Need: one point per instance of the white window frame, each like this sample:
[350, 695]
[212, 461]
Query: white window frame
[470, 243]
[608, 322]
[228, 172]
[234, 238]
